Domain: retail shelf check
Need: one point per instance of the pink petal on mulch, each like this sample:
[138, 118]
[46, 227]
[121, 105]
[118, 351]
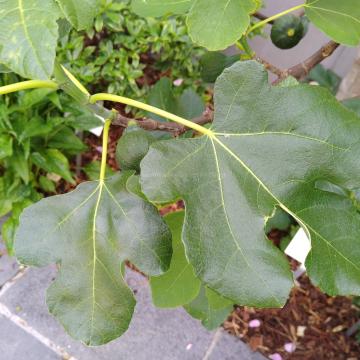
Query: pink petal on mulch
[254, 323]
[290, 347]
[275, 356]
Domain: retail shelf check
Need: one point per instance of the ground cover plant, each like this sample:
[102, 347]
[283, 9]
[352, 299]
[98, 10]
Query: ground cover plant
[262, 147]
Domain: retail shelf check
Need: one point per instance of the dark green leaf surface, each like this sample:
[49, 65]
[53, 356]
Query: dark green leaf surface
[213, 64]
[92, 170]
[325, 77]
[209, 307]
[80, 13]
[162, 96]
[28, 36]
[340, 20]
[132, 147]
[89, 233]
[270, 147]
[190, 105]
[179, 285]
[353, 104]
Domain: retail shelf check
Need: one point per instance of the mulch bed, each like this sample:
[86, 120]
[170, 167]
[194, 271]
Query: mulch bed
[312, 323]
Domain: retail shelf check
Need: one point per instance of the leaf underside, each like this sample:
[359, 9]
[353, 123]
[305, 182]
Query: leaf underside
[271, 145]
[89, 233]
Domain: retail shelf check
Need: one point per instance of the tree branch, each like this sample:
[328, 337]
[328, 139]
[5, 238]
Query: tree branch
[268, 66]
[261, 16]
[151, 124]
[302, 69]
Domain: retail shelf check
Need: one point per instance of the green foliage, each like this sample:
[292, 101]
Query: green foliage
[132, 147]
[288, 31]
[117, 54]
[325, 77]
[340, 20]
[189, 104]
[92, 170]
[273, 155]
[179, 285]
[239, 188]
[80, 13]
[28, 37]
[214, 63]
[36, 140]
[353, 104]
[209, 307]
[225, 21]
[90, 232]
[156, 8]
[280, 221]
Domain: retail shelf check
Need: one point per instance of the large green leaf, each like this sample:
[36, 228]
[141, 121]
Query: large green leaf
[340, 20]
[269, 147]
[219, 24]
[179, 285]
[28, 36]
[90, 232]
[80, 13]
[160, 7]
[212, 24]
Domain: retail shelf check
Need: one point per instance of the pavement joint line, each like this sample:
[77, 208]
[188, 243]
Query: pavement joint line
[8, 284]
[216, 338]
[18, 321]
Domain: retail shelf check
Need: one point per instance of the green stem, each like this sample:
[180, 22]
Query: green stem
[274, 17]
[30, 84]
[104, 149]
[152, 109]
[246, 47]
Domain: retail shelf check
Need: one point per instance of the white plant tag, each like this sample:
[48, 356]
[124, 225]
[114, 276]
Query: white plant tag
[299, 246]
[97, 131]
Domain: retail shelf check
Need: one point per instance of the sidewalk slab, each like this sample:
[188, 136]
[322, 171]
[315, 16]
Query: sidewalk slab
[8, 266]
[159, 334]
[16, 344]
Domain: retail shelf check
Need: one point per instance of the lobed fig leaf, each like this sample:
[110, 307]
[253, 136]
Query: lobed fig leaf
[89, 233]
[269, 147]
